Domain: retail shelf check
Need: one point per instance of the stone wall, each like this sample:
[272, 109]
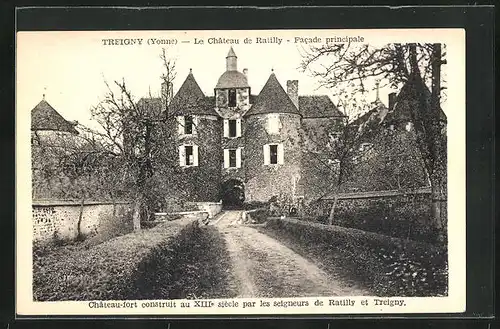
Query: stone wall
[265, 181]
[201, 183]
[58, 220]
[212, 208]
[395, 213]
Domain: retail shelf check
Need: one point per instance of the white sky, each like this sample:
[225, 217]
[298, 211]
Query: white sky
[70, 67]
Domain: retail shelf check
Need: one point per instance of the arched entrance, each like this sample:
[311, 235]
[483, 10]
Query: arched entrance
[232, 194]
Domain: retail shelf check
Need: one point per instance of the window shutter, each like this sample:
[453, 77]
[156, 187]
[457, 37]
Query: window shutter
[226, 128]
[280, 154]
[267, 156]
[238, 127]
[195, 155]
[180, 124]
[238, 158]
[226, 158]
[182, 156]
[195, 124]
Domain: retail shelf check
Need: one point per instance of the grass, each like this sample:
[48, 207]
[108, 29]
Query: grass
[384, 265]
[196, 265]
[174, 255]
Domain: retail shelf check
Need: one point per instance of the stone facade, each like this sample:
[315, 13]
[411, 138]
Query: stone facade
[201, 182]
[266, 180]
[254, 142]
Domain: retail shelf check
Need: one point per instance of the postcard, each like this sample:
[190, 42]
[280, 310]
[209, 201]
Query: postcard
[251, 172]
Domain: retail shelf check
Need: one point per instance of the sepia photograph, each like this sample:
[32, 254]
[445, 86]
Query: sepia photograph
[241, 172]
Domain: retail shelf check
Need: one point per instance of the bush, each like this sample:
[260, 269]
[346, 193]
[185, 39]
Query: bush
[255, 205]
[388, 266]
[399, 217]
[258, 215]
[104, 271]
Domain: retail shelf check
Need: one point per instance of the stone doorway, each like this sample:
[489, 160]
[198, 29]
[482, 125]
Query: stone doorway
[232, 194]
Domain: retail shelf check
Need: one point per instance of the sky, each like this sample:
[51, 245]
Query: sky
[70, 67]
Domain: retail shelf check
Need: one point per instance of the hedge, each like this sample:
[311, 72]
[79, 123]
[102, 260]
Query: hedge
[387, 266]
[106, 271]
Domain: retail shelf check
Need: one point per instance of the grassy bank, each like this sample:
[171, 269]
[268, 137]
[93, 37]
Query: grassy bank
[126, 266]
[195, 265]
[385, 265]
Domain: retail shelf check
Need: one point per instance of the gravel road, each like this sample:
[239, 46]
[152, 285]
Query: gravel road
[263, 267]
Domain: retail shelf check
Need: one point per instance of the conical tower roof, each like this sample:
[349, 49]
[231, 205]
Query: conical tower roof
[408, 98]
[45, 117]
[190, 99]
[231, 52]
[273, 99]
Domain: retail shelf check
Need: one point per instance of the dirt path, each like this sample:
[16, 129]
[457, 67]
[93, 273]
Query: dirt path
[264, 267]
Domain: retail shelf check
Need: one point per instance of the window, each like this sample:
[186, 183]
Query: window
[232, 98]
[232, 158]
[188, 155]
[232, 128]
[187, 124]
[273, 154]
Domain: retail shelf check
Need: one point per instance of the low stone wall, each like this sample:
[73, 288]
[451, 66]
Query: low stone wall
[212, 208]
[200, 215]
[58, 220]
[402, 214]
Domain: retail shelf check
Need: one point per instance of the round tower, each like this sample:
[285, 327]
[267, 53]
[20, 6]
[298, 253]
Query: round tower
[273, 146]
[197, 138]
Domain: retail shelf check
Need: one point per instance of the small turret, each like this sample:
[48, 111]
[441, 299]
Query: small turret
[231, 61]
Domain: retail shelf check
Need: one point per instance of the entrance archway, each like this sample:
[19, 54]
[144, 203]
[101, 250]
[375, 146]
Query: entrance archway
[232, 194]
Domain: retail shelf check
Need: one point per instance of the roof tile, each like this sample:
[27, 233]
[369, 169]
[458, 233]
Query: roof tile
[318, 106]
[273, 99]
[45, 117]
[190, 99]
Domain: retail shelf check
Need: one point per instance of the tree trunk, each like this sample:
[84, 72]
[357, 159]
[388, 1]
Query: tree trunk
[332, 211]
[439, 170]
[80, 217]
[136, 216]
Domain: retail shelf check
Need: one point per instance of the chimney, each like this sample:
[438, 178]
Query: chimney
[167, 90]
[245, 72]
[392, 100]
[292, 89]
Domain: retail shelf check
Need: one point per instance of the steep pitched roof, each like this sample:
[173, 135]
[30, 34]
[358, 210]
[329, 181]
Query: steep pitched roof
[190, 99]
[152, 105]
[319, 106]
[231, 52]
[408, 98]
[45, 117]
[273, 99]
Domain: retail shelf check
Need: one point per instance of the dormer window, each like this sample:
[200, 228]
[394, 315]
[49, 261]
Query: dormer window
[231, 102]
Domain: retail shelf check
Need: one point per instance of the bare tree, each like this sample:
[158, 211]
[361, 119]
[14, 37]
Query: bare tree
[351, 66]
[137, 132]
